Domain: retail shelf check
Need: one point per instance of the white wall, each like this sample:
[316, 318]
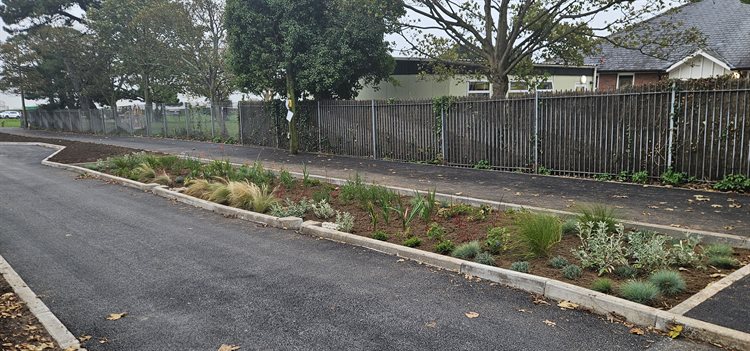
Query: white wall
[698, 67]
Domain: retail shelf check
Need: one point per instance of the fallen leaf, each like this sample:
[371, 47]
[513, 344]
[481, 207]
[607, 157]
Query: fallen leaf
[716, 206]
[567, 305]
[103, 340]
[728, 227]
[637, 331]
[471, 314]
[620, 196]
[72, 348]
[524, 311]
[701, 198]
[225, 347]
[84, 338]
[652, 206]
[432, 324]
[550, 323]
[401, 260]
[116, 316]
[683, 269]
[717, 275]
[675, 331]
[735, 205]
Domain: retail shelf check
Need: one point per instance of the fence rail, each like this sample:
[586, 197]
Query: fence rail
[704, 132]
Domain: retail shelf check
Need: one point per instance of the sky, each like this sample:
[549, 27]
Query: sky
[14, 102]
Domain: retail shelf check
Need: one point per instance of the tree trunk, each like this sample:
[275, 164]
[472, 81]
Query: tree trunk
[219, 113]
[23, 108]
[500, 86]
[291, 96]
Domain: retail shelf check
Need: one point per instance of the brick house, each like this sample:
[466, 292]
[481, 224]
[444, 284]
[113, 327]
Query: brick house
[725, 26]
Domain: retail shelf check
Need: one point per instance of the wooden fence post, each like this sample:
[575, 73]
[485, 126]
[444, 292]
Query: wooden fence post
[320, 127]
[239, 119]
[670, 138]
[536, 131]
[374, 136]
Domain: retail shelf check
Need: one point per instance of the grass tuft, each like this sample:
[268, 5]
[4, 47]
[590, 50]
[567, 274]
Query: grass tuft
[468, 250]
[598, 213]
[485, 258]
[572, 272]
[603, 285]
[670, 283]
[639, 291]
[520, 266]
[539, 233]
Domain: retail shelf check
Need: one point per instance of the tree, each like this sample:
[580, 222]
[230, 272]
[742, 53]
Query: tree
[320, 48]
[205, 56]
[499, 37]
[34, 13]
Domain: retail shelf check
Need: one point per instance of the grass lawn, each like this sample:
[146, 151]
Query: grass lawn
[13, 123]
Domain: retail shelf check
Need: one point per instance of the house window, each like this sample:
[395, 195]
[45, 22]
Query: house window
[479, 89]
[519, 86]
[625, 81]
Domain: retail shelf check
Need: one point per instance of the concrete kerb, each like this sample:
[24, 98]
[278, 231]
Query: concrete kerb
[58, 331]
[593, 301]
[710, 291]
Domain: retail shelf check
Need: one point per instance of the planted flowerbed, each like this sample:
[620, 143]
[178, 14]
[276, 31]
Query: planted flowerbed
[591, 250]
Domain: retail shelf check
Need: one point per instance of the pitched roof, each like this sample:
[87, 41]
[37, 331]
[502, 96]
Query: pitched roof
[725, 24]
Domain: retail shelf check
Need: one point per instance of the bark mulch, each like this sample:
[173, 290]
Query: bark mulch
[75, 151]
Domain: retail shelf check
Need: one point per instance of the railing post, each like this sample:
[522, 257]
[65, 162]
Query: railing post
[187, 121]
[536, 131]
[442, 132]
[239, 120]
[164, 119]
[320, 145]
[374, 136]
[213, 132]
[670, 138]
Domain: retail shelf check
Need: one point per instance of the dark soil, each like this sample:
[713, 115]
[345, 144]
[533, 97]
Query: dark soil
[75, 151]
[19, 329]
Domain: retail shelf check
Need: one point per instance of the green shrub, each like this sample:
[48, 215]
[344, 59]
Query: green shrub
[144, 172]
[356, 190]
[639, 291]
[482, 164]
[455, 210]
[323, 209]
[626, 272]
[569, 227]
[603, 285]
[323, 194]
[670, 283]
[344, 221]
[467, 251]
[286, 179]
[597, 213]
[603, 177]
[557, 262]
[639, 177]
[413, 242]
[445, 247]
[670, 177]
[539, 233]
[733, 182]
[648, 250]
[623, 176]
[291, 209]
[498, 240]
[682, 252]
[435, 231]
[520, 266]
[572, 272]
[717, 250]
[725, 262]
[485, 258]
[427, 207]
[601, 250]
[380, 235]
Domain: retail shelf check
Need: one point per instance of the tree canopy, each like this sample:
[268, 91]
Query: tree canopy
[25, 14]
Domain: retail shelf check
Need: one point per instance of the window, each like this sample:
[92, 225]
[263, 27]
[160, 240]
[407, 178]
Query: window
[625, 80]
[479, 89]
[519, 86]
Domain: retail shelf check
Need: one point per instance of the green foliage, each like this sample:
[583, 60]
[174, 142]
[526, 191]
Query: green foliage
[570, 226]
[322, 209]
[670, 283]
[640, 177]
[572, 272]
[344, 221]
[520, 266]
[356, 190]
[626, 272]
[725, 262]
[648, 250]
[219, 193]
[485, 258]
[380, 235]
[291, 209]
[670, 177]
[498, 240]
[467, 251]
[557, 262]
[255, 174]
[427, 204]
[603, 177]
[324, 194]
[733, 182]
[683, 253]
[286, 179]
[373, 213]
[455, 210]
[539, 233]
[445, 247]
[413, 242]
[623, 176]
[306, 179]
[435, 231]
[639, 291]
[406, 215]
[250, 196]
[143, 173]
[482, 164]
[544, 170]
[718, 250]
[597, 213]
[603, 285]
[600, 249]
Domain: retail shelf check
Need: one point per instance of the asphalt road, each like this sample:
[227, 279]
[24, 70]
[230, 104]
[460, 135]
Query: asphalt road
[193, 280]
[634, 202]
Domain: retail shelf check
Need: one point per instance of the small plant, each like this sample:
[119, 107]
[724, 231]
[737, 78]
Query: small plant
[639, 291]
[485, 258]
[219, 193]
[427, 204]
[291, 209]
[322, 194]
[597, 213]
[482, 164]
[557, 262]
[682, 252]
[323, 209]
[413, 242]
[725, 262]
[626, 272]
[373, 214]
[670, 177]
[539, 233]
[445, 247]
[733, 182]
[670, 283]
[144, 172]
[196, 187]
[718, 250]
[498, 240]
[599, 249]
[648, 250]
[435, 231]
[407, 215]
[544, 170]
[286, 179]
[448, 212]
[640, 177]
[572, 272]
[520, 266]
[603, 285]
[306, 180]
[380, 235]
[623, 176]
[250, 196]
[163, 178]
[603, 177]
[344, 222]
[467, 251]
[569, 227]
